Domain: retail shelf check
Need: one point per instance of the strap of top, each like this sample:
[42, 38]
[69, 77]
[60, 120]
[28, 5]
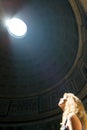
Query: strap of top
[64, 126]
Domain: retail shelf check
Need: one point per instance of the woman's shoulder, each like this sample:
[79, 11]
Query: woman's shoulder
[74, 117]
[75, 121]
[70, 115]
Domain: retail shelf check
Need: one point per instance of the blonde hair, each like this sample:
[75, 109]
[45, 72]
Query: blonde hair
[74, 106]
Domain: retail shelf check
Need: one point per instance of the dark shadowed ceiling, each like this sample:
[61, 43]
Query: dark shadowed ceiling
[42, 58]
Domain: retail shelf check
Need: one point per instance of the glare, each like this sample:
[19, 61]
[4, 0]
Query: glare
[16, 27]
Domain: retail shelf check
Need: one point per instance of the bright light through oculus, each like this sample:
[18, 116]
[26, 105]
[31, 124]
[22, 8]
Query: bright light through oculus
[16, 27]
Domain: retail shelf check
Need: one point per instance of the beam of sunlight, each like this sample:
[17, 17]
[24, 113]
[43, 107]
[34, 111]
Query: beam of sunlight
[16, 27]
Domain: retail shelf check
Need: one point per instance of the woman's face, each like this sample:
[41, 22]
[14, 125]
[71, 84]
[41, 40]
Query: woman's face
[62, 102]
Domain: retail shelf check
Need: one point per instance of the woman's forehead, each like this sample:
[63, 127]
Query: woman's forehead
[65, 96]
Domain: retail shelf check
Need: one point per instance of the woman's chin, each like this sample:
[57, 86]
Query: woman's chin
[61, 102]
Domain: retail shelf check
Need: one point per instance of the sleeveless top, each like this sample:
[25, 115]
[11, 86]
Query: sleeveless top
[83, 127]
[64, 126]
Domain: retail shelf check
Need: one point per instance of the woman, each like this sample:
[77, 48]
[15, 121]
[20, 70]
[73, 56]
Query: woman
[74, 115]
